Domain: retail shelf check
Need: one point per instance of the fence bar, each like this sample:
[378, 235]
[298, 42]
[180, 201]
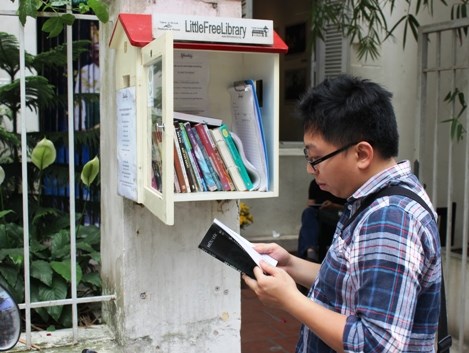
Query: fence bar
[71, 167]
[462, 305]
[24, 184]
[83, 300]
[449, 192]
[435, 125]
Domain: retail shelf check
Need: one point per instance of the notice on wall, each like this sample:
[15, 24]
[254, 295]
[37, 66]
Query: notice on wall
[127, 143]
[191, 81]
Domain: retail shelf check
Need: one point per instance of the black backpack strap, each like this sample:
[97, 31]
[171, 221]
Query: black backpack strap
[444, 339]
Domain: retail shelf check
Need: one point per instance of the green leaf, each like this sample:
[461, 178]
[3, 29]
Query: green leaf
[27, 8]
[90, 234]
[90, 171]
[100, 9]
[42, 271]
[44, 154]
[54, 26]
[57, 291]
[64, 269]
[92, 278]
[4, 213]
[9, 274]
[87, 248]
[60, 245]
[2, 176]
[67, 19]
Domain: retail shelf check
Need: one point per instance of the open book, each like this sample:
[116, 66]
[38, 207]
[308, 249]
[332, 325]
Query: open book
[231, 248]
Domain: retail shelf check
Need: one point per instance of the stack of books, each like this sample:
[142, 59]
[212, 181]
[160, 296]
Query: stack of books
[209, 157]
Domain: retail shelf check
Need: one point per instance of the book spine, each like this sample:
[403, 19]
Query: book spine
[156, 160]
[209, 161]
[200, 182]
[179, 167]
[215, 158]
[187, 163]
[177, 186]
[236, 156]
[228, 159]
[210, 176]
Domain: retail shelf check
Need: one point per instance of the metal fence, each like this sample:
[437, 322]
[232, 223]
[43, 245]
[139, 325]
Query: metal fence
[71, 127]
[443, 149]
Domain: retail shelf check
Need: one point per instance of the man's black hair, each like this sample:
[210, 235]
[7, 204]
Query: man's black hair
[348, 109]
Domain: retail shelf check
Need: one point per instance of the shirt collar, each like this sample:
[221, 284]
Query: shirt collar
[389, 176]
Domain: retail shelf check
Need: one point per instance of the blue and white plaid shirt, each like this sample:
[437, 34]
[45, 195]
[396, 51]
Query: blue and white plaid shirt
[383, 272]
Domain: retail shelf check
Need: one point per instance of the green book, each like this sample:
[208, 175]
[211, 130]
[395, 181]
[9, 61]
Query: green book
[236, 156]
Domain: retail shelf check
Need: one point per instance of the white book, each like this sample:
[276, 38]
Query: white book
[228, 160]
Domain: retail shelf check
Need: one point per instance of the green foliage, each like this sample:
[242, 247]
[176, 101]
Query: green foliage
[364, 21]
[44, 154]
[457, 127]
[56, 24]
[50, 263]
[90, 171]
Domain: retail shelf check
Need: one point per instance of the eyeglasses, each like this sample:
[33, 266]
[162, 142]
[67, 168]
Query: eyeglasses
[314, 163]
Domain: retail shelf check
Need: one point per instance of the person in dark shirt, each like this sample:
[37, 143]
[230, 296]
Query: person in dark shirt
[318, 220]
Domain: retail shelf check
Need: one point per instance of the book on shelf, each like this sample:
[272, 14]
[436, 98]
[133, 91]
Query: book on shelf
[197, 119]
[214, 156]
[228, 160]
[200, 159]
[179, 169]
[186, 161]
[236, 156]
[177, 187]
[252, 171]
[156, 161]
[208, 161]
[247, 124]
[199, 179]
[231, 248]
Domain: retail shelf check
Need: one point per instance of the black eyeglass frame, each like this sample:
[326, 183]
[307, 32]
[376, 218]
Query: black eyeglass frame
[314, 163]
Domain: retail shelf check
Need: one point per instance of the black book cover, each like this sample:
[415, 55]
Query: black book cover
[230, 249]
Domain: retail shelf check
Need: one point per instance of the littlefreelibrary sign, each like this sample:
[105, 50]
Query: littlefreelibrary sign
[214, 29]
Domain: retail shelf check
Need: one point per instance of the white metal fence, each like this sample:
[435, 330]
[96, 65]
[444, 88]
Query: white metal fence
[74, 301]
[443, 148]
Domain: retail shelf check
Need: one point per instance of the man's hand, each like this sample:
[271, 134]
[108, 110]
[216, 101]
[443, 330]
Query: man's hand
[273, 286]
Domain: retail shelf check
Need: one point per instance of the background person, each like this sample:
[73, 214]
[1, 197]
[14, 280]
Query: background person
[318, 220]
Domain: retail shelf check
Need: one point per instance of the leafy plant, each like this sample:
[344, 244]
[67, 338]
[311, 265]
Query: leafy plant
[457, 127]
[245, 216]
[63, 10]
[364, 21]
[50, 264]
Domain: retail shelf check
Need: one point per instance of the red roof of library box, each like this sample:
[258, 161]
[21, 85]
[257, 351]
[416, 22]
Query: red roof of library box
[138, 28]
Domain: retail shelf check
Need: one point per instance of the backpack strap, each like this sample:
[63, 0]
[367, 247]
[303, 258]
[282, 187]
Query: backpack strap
[444, 339]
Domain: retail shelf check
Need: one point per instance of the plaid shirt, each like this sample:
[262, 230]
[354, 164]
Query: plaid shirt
[382, 272]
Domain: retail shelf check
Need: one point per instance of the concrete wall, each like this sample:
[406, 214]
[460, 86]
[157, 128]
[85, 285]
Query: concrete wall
[171, 297]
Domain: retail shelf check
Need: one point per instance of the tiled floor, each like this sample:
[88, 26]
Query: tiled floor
[265, 330]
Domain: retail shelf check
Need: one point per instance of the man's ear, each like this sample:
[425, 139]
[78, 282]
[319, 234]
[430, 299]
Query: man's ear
[365, 154]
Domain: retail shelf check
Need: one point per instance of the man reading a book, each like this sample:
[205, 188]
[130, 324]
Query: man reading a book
[378, 288]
